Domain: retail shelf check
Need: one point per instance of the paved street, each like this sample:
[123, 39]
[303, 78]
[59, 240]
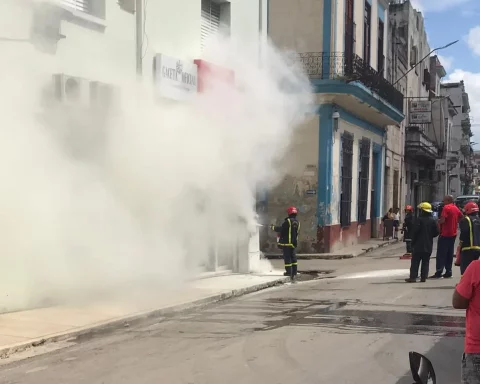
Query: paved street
[355, 328]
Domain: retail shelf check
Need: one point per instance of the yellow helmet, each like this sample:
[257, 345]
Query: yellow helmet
[427, 207]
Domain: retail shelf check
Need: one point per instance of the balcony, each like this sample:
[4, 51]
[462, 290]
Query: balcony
[352, 68]
[419, 146]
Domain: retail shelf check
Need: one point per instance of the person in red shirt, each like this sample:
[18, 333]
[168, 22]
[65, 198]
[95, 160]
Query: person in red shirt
[446, 241]
[467, 296]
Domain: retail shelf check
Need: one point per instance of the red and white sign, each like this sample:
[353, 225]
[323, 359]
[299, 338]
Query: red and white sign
[210, 75]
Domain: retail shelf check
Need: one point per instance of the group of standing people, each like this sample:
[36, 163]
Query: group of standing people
[393, 214]
[419, 234]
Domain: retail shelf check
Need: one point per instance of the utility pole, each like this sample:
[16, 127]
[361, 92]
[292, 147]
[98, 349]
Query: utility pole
[139, 36]
[446, 131]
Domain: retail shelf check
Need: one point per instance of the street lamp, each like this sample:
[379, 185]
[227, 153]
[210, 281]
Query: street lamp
[433, 50]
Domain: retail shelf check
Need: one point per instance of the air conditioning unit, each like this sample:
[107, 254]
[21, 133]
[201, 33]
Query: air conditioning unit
[71, 90]
[102, 95]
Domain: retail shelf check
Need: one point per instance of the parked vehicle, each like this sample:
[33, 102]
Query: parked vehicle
[460, 201]
[437, 209]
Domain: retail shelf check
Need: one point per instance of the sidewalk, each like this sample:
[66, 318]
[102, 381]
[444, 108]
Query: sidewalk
[24, 329]
[345, 253]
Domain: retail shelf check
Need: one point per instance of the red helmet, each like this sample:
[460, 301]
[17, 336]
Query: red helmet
[292, 211]
[408, 208]
[470, 207]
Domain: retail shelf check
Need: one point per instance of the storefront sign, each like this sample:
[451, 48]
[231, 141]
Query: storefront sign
[210, 74]
[420, 118]
[420, 106]
[174, 79]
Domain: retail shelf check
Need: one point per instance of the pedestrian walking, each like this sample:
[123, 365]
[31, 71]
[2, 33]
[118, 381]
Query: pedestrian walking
[469, 236]
[448, 223]
[407, 229]
[425, 229]
[288, 241]
[467, 296]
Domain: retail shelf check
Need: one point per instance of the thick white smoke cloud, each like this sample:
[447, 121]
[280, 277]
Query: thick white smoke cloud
[93, 204]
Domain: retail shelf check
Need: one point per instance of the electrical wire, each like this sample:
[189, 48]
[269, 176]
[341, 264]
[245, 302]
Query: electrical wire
[145, 36]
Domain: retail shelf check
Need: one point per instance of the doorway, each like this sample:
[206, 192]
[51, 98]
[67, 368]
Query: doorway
[395, 189]
[375, 195]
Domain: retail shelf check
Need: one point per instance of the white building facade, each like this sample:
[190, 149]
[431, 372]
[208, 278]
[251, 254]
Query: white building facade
[96, 38]
[337, 175]
[85, 46]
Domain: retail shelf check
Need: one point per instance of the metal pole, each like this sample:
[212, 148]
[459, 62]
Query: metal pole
[429, 53]
[139, 36]
[445, 154]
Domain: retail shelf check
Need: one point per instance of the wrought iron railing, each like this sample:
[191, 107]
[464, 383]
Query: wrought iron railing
[416, 142]
[326, 65]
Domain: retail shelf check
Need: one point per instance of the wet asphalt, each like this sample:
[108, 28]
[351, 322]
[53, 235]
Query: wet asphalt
[347, 329]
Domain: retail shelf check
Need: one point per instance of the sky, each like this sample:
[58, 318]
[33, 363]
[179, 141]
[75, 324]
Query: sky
[449, 20]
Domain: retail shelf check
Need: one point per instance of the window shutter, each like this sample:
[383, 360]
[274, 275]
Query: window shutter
[210, 20]
[78, 5]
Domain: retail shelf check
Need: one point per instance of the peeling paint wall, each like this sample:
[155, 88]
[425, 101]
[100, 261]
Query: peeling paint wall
[298, 188]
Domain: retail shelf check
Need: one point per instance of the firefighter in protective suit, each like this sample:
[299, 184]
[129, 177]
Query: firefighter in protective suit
[288, 241]
[469, 236]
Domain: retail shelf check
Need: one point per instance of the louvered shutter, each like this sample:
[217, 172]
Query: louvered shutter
[78, 5]
[210, 20]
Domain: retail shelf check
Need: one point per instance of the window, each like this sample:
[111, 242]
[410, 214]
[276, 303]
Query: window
[364, 174]
[426, 79]
[346, 180]
[210, 20]
[349, 32]
[79, 5]
[413, 55]
[367, 33]
[95, 8]
[380, 56]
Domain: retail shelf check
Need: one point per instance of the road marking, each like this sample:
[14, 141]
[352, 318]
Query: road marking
[38, 369]
[376, 274]
[393, 300]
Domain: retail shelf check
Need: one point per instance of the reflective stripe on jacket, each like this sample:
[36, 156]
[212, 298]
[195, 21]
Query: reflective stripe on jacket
[289, 232]
[470, 236]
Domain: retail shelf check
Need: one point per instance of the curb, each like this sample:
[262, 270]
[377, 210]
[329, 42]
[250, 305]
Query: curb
[332, 256]
[129, 320]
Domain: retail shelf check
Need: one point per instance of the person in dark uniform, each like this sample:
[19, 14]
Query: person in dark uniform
[425, 229]
[407, 229]
[288, 241]
[469, 236]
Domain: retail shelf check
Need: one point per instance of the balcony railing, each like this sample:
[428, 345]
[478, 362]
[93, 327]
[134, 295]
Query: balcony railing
[419, 146]
[338, 66]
